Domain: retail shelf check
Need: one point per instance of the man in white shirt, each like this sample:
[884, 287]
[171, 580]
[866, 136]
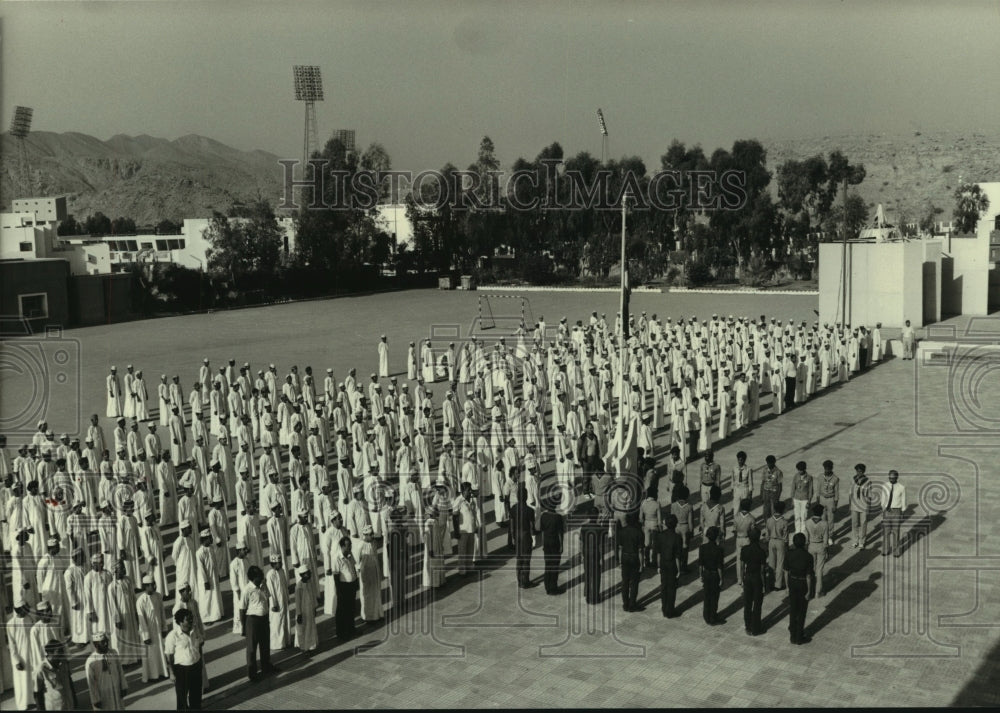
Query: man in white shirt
[909, 338]
[183, 649]
[893, 506]
[466, 523]
[254, 612]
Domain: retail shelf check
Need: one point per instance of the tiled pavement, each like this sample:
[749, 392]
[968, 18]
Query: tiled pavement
[868, 650]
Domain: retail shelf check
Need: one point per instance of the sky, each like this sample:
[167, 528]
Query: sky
[428, 79]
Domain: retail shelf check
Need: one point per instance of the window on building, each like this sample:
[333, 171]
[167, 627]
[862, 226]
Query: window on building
[161, 245]
[132, 245]
[91, 258]
[176, 244]
[27, 247]
[147, 246]
[34, 306]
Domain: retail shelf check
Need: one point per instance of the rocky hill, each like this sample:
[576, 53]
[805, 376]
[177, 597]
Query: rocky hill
[142, 177]
[909, 175]
[151, 179]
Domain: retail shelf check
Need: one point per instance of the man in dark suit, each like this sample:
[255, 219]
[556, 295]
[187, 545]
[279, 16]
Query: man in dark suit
[593, 545]
[753, 561]
[801, 579]
[712, 558]
[630, 543]
[553, 527]
[670, 549]
[522, 524]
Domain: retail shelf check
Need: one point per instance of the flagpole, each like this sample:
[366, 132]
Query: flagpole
[622, 332]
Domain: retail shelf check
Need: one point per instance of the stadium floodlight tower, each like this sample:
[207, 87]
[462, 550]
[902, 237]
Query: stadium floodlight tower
[308, 89]
[20, 126]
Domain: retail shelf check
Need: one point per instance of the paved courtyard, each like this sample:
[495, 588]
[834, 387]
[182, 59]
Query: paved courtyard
[923, 629]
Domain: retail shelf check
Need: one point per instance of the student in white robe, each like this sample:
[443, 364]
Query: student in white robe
[725, 406]
[279, 616]
[114, 391]
[123, 617]
[238, 581]
[51, 584]
[95, 595]
[370, 577]
[248, 532]
[435, 534]
[19, 654]
[44, 630]
[166, 483]
[105, 677]
[383, 357]
[178, 438]
[206, 585]
[152, 628]
[183, 556]
[306, 602]
[73, 583]
[140, 397]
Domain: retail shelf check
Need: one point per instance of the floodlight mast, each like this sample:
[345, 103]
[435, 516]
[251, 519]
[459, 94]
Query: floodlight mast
[308, 89]
[604, 134]
[20, 127]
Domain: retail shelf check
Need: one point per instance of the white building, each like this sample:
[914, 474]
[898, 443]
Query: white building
[29, 232]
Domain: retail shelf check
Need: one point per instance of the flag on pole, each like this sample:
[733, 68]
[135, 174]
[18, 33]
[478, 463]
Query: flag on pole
[600, 119]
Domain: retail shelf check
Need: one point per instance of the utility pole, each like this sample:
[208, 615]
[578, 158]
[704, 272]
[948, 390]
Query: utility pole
[623, 329]
[843, 313]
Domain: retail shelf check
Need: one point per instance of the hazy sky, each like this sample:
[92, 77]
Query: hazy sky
[429, 79]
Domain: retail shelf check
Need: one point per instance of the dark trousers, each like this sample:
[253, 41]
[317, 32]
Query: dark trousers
[187, 684]
[710, 581]
[258, 632]
[524, 547]
[769, 501]
[789, 392]
[693, 436]
[892, 519]
[631, 571]
[862, 359]
[347, 604]
[552, 570]
[592, 570]
[668, 591]
[797, 590]
[753, 600]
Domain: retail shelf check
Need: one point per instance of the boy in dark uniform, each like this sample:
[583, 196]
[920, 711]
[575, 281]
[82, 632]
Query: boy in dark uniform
[801, 578]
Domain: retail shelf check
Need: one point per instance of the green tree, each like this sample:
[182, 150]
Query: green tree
[842, 174]
[98, 225]
[749, 228]
[122, 226]
[70, 226]
[376, 159]
[333, 244]
[168, 227]
[970, 203]
[244, 250]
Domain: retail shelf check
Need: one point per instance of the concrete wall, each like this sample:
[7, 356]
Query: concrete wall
[968, 292]
[932, 281]
[24, 277]
[101, 299]
[885, 282]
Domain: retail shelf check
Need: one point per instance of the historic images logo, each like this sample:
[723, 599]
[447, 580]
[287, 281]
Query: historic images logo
[522, 190]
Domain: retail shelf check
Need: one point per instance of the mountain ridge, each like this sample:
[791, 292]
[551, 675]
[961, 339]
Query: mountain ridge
[149, 178]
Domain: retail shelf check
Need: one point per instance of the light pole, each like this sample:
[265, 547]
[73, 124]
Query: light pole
[623, 332]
